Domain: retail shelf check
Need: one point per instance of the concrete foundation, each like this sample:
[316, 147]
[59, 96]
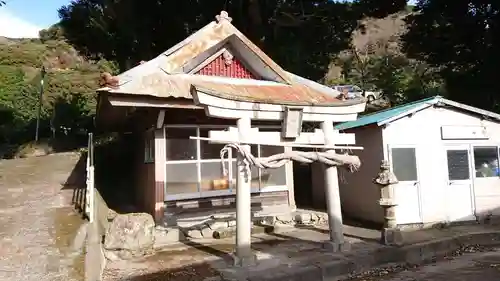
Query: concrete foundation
[223, 225]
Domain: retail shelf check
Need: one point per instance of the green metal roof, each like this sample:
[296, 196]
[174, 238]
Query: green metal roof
[382, 115]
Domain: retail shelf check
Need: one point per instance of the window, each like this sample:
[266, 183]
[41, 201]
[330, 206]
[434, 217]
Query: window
[209, 150]
[255, 176]
[179, 146]
[486, 161]
[194, 166]
[149, 148]
[267, 150]
[182, 178]
[404, 163]
[272, 177]
[211, 176]
[458, 164]
[212, 150]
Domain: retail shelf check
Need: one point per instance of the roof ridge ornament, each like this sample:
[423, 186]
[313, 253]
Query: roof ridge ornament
[223, 16]
[228, 57]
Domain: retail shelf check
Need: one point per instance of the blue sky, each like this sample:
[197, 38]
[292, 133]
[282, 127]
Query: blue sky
[24, 18]
[41, 13]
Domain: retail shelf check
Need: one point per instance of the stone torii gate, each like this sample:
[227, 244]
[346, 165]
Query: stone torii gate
[291, 136]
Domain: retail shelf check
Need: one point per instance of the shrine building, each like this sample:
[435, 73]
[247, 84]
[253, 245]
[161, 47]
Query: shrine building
[202, 85]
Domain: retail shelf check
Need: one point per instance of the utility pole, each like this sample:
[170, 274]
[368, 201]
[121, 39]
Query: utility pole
[39, 103]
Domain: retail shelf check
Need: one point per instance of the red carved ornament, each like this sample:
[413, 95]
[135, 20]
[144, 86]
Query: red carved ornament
[221, 67]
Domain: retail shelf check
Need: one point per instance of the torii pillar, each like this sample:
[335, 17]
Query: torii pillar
[332, 196]
[243, 252]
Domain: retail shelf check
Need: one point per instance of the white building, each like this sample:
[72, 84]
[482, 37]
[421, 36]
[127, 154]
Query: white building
[444, 154]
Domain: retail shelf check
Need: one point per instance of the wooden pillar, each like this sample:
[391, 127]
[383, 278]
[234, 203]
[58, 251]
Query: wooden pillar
[158, 196]
[290, 183]
[243, 252]
[332, 196]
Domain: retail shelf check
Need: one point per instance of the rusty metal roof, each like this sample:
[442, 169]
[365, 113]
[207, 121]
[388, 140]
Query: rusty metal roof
[157, 84]
[163, 76]
[180, 86]
[275, 93]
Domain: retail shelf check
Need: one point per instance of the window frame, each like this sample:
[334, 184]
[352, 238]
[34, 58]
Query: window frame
[391, 160]
[199, 161]
[469, 154]
[486, 145]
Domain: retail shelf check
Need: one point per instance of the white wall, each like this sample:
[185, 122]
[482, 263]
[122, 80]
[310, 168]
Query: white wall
[423, 129]
[358, 194]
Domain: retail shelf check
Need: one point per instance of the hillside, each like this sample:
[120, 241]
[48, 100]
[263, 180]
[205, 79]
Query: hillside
[69, 90]
[377, 36]
[377, 61]
[62, 63]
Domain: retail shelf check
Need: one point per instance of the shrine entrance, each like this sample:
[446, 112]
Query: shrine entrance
[238, 140]
[308, 181]
[302, 182]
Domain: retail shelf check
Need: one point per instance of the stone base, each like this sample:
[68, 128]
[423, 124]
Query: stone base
[392, 237]
[245, 261]
[223, 225]
[166, 236]
[336, 247]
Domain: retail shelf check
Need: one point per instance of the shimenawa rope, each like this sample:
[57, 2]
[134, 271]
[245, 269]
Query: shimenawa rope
[329, 157]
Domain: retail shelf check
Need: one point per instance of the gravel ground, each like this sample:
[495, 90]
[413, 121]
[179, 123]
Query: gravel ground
[472, 263]
[198, 261]
[37, 223]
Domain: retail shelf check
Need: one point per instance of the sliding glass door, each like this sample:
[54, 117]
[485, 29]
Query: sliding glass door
[194, 168]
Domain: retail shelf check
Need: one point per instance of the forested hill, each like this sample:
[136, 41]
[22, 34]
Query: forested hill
[74, 58]
[439, 47]
[375, 60]
[68, 100]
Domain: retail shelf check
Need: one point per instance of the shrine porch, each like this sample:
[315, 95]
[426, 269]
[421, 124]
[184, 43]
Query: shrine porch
[182, 212]
[214, 225]
[182, 224]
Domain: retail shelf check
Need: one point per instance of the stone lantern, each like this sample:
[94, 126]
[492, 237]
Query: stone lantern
[391, 235]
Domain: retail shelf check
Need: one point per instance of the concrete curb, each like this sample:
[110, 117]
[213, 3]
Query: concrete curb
[411, 254]
[95, 260]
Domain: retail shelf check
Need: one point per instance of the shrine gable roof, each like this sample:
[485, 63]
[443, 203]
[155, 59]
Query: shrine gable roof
[175, 73]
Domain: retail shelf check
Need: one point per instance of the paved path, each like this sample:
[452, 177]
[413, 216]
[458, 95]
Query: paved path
[37, 224]
[476, 266]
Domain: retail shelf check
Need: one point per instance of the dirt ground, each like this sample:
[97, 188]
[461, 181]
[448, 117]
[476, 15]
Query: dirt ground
[303, 248]
[37, 222]
[198, 261]
[473, 264]
[38, 225]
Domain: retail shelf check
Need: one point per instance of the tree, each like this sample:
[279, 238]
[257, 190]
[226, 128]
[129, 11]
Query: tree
[399, 78]
[300, 35]
[54, 32]
[460, 39]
